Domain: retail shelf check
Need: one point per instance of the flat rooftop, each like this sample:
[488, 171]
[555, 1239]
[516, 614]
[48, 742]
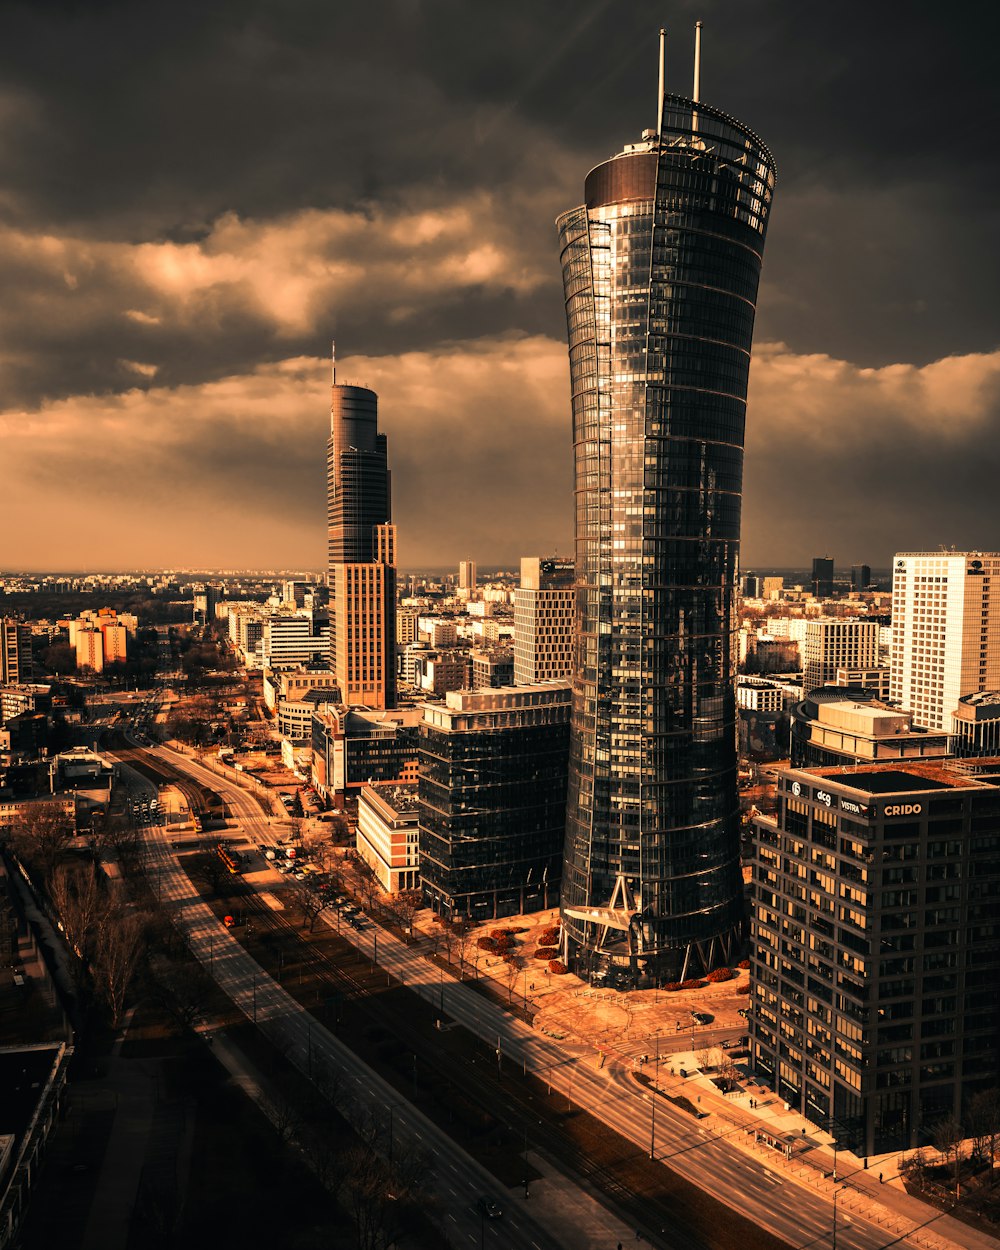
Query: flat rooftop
[918, 776]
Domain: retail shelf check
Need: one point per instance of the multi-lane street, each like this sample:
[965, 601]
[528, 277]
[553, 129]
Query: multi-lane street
[457, 1183]
[702, 1152]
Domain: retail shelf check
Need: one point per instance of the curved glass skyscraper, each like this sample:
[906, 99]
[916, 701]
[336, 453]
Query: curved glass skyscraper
[361, 550]
[660, 268]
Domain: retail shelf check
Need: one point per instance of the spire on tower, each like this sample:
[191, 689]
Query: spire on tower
[662, 83]
[696, 93]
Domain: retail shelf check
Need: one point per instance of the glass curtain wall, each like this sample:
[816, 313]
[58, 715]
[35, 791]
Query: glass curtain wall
[660, 269]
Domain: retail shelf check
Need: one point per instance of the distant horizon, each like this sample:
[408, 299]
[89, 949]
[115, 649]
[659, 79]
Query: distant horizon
[169, 307]
[408, 570]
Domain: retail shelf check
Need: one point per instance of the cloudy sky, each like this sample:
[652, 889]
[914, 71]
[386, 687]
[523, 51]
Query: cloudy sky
[194, 199]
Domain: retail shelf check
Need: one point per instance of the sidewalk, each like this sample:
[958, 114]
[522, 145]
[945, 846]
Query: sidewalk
[620, 1025]
[785, 1140]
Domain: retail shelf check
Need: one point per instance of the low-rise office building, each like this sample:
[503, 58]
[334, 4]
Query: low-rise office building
[295, 684]
[387, 838]
[841, 725]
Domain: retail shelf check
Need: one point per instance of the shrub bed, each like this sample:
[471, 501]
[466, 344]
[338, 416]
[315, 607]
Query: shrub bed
[487, 944]
[547, 952]
[556, 968]
[720, 974]
[744, 963]
[693, 985]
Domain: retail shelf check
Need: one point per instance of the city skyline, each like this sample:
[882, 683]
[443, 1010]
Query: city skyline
[171, 301]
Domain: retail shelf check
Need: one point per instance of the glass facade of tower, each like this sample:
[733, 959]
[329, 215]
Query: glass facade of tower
[660, 268]
[357, 476]
[361, 551]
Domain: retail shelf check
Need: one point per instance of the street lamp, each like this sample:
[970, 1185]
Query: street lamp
[836, 1194]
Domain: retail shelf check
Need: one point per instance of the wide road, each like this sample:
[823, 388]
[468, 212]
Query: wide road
[455, 1180]
[703, 1155]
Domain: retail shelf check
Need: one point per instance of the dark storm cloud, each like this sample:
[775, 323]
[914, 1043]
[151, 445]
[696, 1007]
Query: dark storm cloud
[192, 195]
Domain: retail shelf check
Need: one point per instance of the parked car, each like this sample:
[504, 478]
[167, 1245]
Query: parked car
[701, 1017]
[491, 1209]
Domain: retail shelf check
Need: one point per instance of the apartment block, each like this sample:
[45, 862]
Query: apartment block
[830, 644]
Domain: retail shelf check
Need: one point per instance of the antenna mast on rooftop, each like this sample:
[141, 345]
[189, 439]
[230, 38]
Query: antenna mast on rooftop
[659, 93]
[696, 93]
[696, 89]
[333, 359]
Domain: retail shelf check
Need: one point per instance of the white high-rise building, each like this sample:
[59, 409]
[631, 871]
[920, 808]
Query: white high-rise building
[830, 644]
[544, 609]
[945, 631]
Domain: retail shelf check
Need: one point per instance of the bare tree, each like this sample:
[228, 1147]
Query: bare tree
[308, 901]
[984, 1123]
[40, 835]
[915, 1165]
[118, 946]
[707, 1057]
[368, 883]
[727, 1067]
[340, 829]
[405, 906]
[119, 838]
[512, 967]
[186, 991]
[463, 936]
[323, 852]
[448, 936]
[948, 1137]
[79, 901]
[210, 870]
[379, 1191]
